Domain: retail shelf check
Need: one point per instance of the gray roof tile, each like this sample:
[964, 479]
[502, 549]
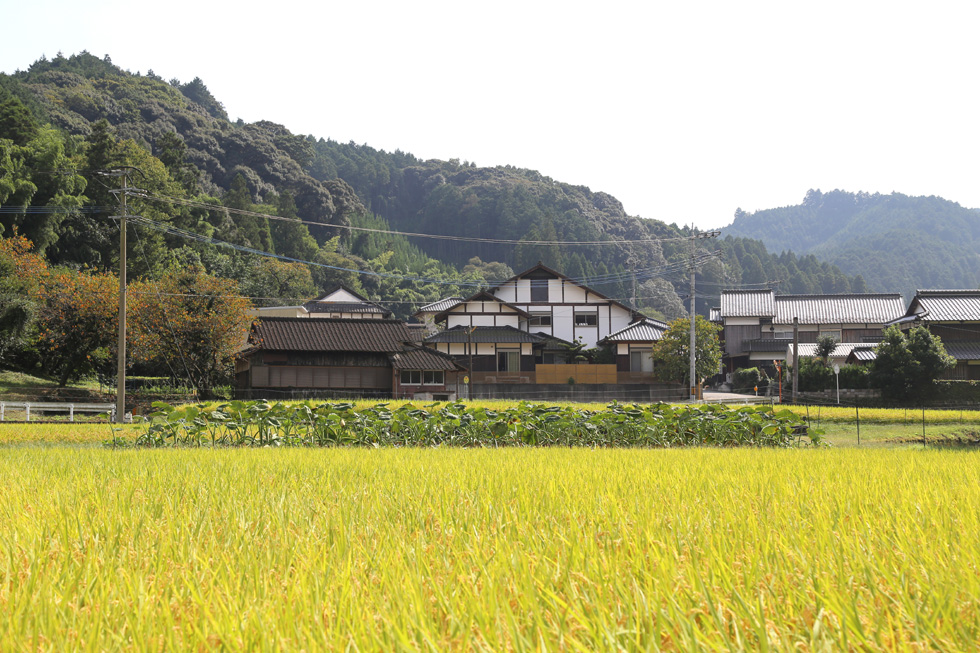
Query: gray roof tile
[498, 334]
[748, 303]
[864, 308]
[642, 331]
[946, 305]
[330, 334]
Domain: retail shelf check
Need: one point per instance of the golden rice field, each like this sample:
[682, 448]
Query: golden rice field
[516, 549]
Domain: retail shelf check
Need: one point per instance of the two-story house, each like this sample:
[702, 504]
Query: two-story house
[513, 331]
[758, 324]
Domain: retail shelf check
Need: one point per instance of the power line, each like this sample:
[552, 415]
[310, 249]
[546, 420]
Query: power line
[391, 232]
[588, 281]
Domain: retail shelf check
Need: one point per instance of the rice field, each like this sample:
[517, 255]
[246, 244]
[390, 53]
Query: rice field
[517, 549]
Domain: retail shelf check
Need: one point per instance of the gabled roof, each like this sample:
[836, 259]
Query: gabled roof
[329, 334]
[440, 306]
[748, 303]
[494, 334]
[851, 308]
[423, 358]
[541, 267]
[945, 305]
[481, 296]
[844, 308]
[645, 330]
[342, 299]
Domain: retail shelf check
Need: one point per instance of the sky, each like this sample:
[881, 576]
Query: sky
[684, 111]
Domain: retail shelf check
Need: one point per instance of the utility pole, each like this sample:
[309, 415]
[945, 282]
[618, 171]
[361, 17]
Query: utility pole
[692, 347]
[121, 194]
[796, 357]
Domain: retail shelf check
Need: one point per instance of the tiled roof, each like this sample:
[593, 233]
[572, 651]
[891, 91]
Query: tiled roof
[498, 334]
[963, 350]
[946, 305]
[747, 303]
[440, 306]
[330, 334]
[344, 307]
[422, 358]
[714, 314]
[842, 350]
[642, 331]
[771, 345]
[864, 354]
[864, 308]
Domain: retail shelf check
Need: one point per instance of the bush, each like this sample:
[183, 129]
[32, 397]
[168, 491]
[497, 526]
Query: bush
[747, 379]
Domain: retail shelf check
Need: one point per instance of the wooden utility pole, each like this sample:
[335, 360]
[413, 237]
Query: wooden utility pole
[121, 194]
[692, 347]
[796, 357]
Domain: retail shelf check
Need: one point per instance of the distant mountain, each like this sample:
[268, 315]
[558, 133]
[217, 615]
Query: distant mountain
[897, 243]
[90, 114]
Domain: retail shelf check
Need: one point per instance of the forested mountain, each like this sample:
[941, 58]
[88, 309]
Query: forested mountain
[65, 119]
[896, 242]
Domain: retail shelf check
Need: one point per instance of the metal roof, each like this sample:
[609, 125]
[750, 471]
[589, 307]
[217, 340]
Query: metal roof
[497, 334]
[330, 334]
[714, 314]
[747, 303]
[946, 305]
[642, 331]
[963, 350]
[863, 308]
[422, 358]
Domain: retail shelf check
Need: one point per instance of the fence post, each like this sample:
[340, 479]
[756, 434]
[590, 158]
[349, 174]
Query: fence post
[923, 426]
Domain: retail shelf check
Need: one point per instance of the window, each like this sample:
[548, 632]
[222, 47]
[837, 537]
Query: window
[539, 290]
[831, 332]
[434, 377]
[540, 319]
[509, 361]
[427, 377]
[586, 319]
[641, 360]
[783, 335]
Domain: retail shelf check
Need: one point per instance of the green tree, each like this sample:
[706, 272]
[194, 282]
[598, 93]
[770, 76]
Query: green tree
[907, 364]
[826, 344]
[672, 352]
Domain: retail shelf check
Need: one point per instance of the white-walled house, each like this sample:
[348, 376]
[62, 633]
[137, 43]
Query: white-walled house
[517, 331]
[541, 300]
[339, 303]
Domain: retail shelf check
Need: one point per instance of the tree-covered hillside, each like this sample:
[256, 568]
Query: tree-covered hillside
[66, 118]
[896, 242]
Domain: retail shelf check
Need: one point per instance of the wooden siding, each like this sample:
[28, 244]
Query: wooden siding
[275, 376]
[582, 373]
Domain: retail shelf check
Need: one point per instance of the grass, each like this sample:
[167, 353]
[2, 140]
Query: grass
[489, 550]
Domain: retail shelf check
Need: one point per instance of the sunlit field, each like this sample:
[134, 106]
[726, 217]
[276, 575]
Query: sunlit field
[451, 549]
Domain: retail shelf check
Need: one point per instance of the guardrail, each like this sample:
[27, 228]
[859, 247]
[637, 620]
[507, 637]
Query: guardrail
[46, 406]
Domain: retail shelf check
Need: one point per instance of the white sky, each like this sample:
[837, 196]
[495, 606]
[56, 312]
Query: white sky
[682, 110]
